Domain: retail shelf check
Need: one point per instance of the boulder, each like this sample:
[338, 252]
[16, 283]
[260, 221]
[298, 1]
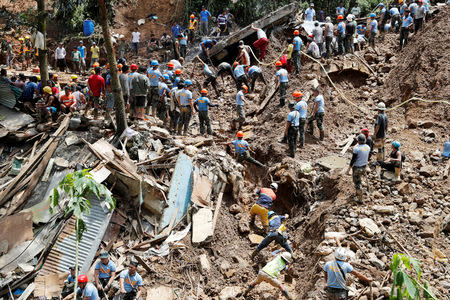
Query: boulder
[230, 292]
[235, 209]
[243, 226]
[414, 218]
[427, 171]
[403, 188]
[384, 209]
[204, 264]
[377, 263]
[202, 226]
[255, 239]
[369, 226]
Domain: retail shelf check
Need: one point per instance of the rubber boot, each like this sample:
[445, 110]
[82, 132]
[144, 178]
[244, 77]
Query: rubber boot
[359, 195]
[322, 135]
[95, 113]
[254, 253]
[397, 174]
[287, 295]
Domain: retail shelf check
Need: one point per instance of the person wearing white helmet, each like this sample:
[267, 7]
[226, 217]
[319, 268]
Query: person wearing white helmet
[266, 196]
[381, 126]
[335, 273]
[270, 272]
[350, 29]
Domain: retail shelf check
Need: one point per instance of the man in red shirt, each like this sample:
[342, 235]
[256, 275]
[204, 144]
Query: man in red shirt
[68, 101]
[96, 85]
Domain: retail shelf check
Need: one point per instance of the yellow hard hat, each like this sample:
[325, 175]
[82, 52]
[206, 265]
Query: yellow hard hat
[27, 37]
[21, 39]
[47, 90]
[38, 77]
[73, 77]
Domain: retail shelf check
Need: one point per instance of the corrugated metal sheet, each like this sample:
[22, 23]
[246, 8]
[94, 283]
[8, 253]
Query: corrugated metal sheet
[62, 255]
[7, 97]
[180, 190]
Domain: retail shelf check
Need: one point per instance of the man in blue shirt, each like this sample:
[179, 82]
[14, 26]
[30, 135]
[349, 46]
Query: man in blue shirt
[297, 42]
[186, 106]
[302, 108]
[176, 30]
[131, 283]
[341, 34]
[254, 72]
[69, 283]
[318, 113]
[105, 272]
[86, 290]
[242, 150]
[395, 19]
[28, 95]
[358, 164]
[383, 19]
[239, 74]
[205, 47]
[82, 50]
[335, 272]
[407, 23]
[240, 101]
[180, 46]
[373, 29]
[210, 77]
[202, 103]
[282, 81]
[291, 131]
[310, 13]
[340, 10]
[153, 75]
[204, 17]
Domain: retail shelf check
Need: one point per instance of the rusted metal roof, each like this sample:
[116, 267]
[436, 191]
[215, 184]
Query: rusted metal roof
[7, 97]
[62, 255]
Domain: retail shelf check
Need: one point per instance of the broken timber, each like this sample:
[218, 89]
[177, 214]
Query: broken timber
[274, 18]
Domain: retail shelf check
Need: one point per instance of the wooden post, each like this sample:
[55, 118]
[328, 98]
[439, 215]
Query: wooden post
[42, 27]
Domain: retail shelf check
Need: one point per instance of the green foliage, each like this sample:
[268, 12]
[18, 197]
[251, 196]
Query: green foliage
[407, 286]
[79, 187]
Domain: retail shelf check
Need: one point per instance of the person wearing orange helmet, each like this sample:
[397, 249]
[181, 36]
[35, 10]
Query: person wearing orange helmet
[170, 69]
[193, 27]
[282, 81]
[201, 105]
[297, 42]
[291, 131]
[242, 150]
[341, 34]
[239, 74]
[176, 78]
[132, 98]
[240, 101]
[85, 288]
[302, 108]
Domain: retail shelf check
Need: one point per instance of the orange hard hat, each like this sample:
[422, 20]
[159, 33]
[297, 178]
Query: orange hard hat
[107, 65]
[278, 64]
[120, 66]
[246, 69]
[296, 32]
[192, 16]
[178, 71]
[340, 17]
[170, 65]
[235, 64]
[245, 88]
[96, 64]
[240, 134]
[297, 94]
[204, 91]
[133, 67]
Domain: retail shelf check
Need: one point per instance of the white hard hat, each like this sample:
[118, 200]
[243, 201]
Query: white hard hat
[287, 257]
[274, 186]
[340, 254]
[381, 106]
[349, 18]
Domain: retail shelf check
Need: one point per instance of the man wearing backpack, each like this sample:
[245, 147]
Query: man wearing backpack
[335, 273]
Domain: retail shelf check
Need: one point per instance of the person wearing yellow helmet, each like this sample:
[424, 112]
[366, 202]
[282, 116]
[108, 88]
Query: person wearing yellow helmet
[46, 105]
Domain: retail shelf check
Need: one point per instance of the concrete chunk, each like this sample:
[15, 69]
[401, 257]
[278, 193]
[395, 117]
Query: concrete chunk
[369, 226]
[204, 264]
[202, 226]
[255, 239]
[332, 162]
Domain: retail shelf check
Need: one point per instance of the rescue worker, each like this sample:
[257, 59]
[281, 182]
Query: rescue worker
[170, 69]
[340, 32]
[225, 68]
[239, 74]
[254, 72]
[69, 283]
[133, 72]
[291, 131]
[407, 23]
[186, 105]
[153, 75]
[297, 42]
[140, 86]
[282, 81]
[261, 42]
[373, 29]
[96, 85]
[395, 160]
[328, 33]
[383, 19]
[335, 272]
[266, 196]
[317, 115]
[381, 125]
[270, 272]
[222, 23]
[210, 77]
[205, 47]
[162, 109]
[369, 140]
[358, 164]
[176, 77]
[202, 103]
[174, 108]
[131, 283]
[277, 232]
[193, 27]
[104, 274]
[395, 19]
[350, 29]
[240, 102]
[302, 108]
[86, 290]
[68, 101]
[242, 150]
[125, 86]
[243, 57]
[180, 46]
[48, 106]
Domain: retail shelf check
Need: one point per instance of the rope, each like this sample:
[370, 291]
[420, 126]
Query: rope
[418, 99]
[267, 64]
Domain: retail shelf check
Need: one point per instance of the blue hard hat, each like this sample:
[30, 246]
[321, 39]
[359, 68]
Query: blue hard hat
[270, 213]
[188, 82]
[154, 63]
[214, 41]
[359, 26]
[372, 15]
[165, 76]
[396, 144]
[381, 4]
[446, 151]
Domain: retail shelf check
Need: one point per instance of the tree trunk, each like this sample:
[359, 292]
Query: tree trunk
[119, 106]
[42, 27]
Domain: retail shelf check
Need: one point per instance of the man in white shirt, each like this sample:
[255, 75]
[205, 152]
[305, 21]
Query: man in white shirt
[261, 42]
[310, 13]
[136, 36]
[313, 48]
[60, 57]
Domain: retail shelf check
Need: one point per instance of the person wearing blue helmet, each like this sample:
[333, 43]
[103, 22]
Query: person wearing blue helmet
[154, 76]
[186, 106]
[163, 92]
[383, 18]
[396, 159]
[373, 29]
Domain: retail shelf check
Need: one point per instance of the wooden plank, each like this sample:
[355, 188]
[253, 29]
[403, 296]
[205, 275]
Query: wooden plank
[48, 170]
[217, 210]
[262, 106]
[27, 292]
[350, 140]
[143, 264]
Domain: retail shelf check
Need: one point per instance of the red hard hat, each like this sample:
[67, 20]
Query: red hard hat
[340, 17]
[192, 16]
[278, 64]
[240, 134]
[133, 67]
[170, 65]
[296, 32]
[235, 64]
[365, 131]
[178, 71]
[107, 65]
[82, 278]
[297, 94]
[204, 91]
[245, 88]
[119, 66]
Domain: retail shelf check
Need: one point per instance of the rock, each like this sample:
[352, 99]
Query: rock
[255, 239]
[387, 209]
[335, 235]
[314, 84]
[159, 131]
[161, 293]
[332, 162]
[429, 133]
[414, 218]
[224, 266]
[412, 123]
[202, 226]
[370, 58]
[377, 263]
[385, 69]
[230, 292]
[235, 209]
[3, 247]
[243, 226]
[61, 162]
[369, 226]
[427, 171]
[446, 224]
[190, 150]
[239, 260]
[305, 168]
[72, 140]
[416, 155]
[426, 124]
[204, 264]
[403, 188]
